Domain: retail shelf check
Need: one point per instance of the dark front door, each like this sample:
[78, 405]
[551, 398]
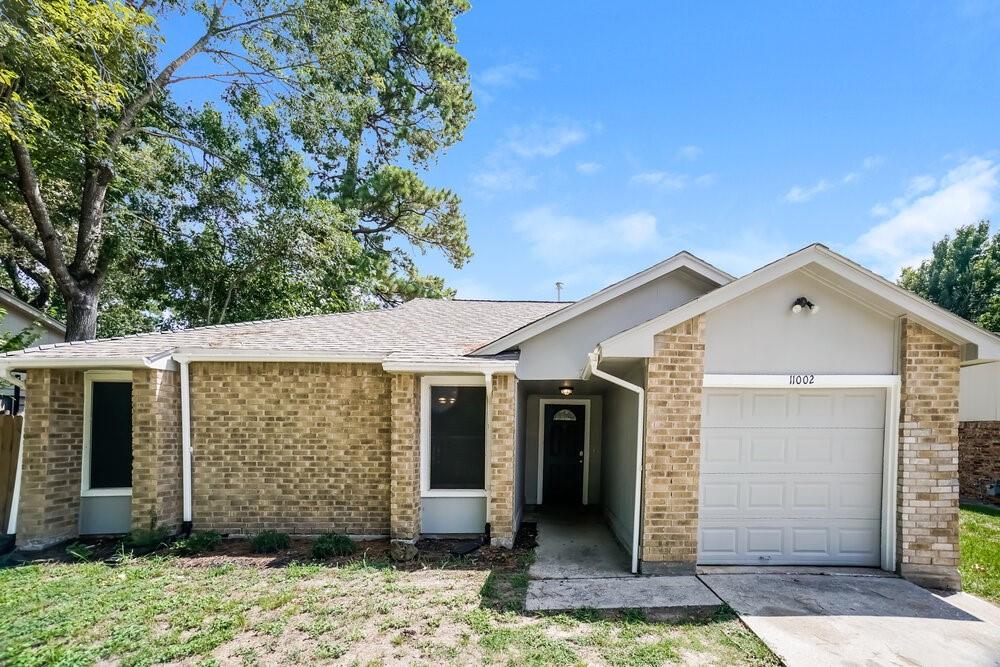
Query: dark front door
[562, 483]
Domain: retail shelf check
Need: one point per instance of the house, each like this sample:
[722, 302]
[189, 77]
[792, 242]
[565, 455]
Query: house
[21, 316]
[979, 433]
[804, 414]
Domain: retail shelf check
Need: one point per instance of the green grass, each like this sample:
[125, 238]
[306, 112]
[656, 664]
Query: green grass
[166, 609]
[980, 544]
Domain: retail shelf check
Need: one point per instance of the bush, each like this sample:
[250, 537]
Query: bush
[148, 538]
[196, 543]
[332, 544]
[269, 541]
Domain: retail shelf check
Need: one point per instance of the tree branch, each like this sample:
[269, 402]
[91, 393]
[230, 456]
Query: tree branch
[51, 252]
[160, 81]
[24, 240]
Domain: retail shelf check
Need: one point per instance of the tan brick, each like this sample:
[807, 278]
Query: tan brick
[927, 490]
[156, 449]
[502, 448]
[405, 493]
[674, 376]
[49, 506]
[296, 447]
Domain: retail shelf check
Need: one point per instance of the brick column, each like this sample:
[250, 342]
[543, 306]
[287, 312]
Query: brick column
[503, 404]
[49, 509]
[673, 447]
[156, 449]
[405, 457]
[927, 490]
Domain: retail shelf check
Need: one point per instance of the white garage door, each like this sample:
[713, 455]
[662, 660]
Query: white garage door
[791, 476]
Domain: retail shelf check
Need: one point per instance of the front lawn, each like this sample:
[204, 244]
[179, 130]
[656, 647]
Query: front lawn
[243, 610]
[980, 544]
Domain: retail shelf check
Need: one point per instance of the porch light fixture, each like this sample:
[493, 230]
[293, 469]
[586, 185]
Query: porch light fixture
[566, 389]
[803, 302]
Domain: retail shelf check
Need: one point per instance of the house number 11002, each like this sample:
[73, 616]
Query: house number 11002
[801, 379]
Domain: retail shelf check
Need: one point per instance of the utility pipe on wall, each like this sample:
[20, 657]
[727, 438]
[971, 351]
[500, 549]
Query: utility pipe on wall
[640, 393]
[186, 443]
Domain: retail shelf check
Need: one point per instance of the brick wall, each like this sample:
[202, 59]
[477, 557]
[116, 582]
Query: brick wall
[405, 486]
[156, 448]
[674, 379]
[927, 493]
[978, 459]
[503, 405]
[49, 509]
[302, 448]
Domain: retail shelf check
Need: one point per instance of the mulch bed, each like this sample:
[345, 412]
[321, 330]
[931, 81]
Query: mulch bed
[238, 552]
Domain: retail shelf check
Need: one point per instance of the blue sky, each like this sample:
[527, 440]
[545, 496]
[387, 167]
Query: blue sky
[609, 136]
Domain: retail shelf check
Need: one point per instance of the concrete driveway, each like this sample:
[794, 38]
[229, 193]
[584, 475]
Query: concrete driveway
[823, 619]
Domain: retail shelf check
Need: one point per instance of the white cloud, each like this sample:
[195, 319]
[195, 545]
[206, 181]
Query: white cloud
[504, 179]
[543, 140]
[799, 193]
[872, 162]
[560, 240]
[507, 75]
[689, 153]
[666, 180]
[920, 184]
[802, 193]
[589, 167]
[927, 212]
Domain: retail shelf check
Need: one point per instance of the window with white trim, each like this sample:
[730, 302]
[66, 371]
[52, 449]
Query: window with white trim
[107, 433]
[453, 429]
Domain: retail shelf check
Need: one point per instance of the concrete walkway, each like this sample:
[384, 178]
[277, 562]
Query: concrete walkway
[579, 565]
[577, 545]
[818, 619]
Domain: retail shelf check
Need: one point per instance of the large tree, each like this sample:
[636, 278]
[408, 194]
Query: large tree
[295, 188]
[962, 275]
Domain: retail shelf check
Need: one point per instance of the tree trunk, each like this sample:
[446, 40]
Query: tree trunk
[81, 315]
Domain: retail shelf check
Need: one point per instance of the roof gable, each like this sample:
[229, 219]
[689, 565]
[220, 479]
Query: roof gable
[682, 261]
[837, 270]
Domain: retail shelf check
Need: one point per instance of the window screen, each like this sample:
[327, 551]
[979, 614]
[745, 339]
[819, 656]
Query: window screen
[458, 437]
[111, 435]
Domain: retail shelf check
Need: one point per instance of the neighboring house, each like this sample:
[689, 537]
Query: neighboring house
[804, 414]
[979, 433]
[21, 316]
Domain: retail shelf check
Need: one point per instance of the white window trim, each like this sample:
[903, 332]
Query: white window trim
[890, 446]
[585, 402]
[426, 382]
[89, 378]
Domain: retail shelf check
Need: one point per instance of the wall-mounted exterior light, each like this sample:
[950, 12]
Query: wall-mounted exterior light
[566, 389]
[803, 302]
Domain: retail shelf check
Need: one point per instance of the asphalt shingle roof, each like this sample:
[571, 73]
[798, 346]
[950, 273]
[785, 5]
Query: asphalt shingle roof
[422, 328]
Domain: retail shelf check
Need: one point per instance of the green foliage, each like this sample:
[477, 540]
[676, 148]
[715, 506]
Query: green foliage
[269, 541]
[148, 538]
[980, 549]
[962, 275]
[197, 543]
[295, 189]
[332, 544]
[80, 551]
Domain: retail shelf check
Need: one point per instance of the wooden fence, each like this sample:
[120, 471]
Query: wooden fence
[10, 443]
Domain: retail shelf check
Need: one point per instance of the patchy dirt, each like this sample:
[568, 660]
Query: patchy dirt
[239, 553]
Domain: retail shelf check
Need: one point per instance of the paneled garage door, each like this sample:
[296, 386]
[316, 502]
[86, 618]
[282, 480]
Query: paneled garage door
[791, 476]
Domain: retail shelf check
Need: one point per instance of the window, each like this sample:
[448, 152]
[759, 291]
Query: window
[107, 460]
[453, 436]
